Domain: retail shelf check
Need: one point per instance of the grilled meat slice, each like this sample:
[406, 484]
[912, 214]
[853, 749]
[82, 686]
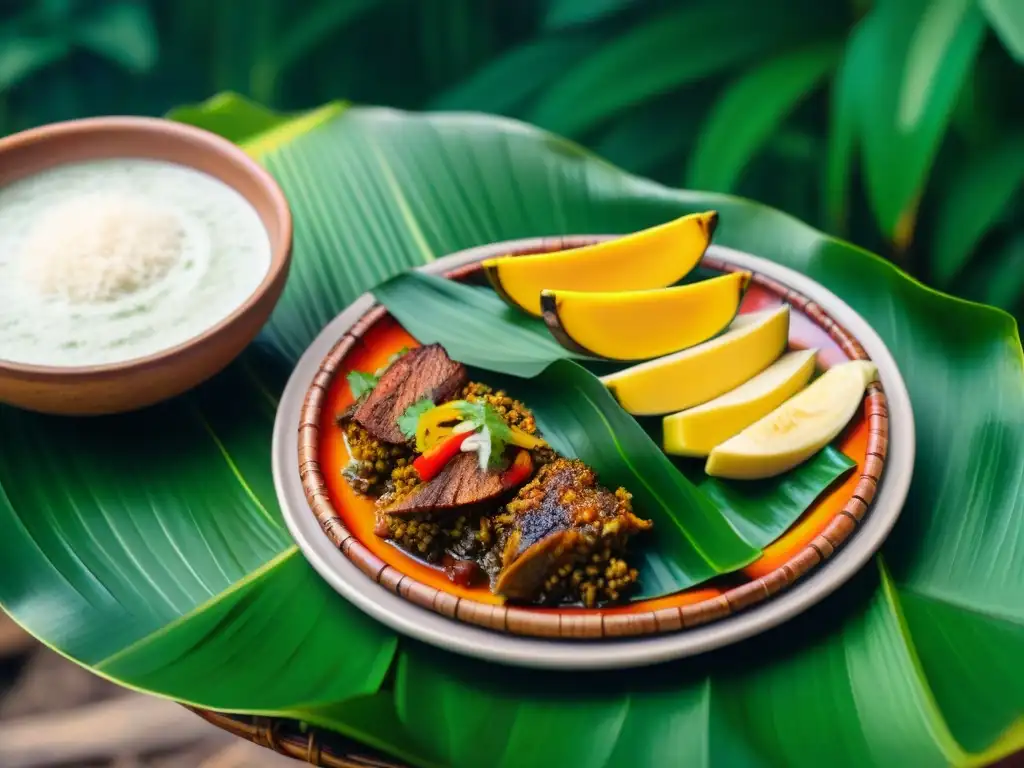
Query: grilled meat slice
[461, 486]
[563, 537]
[423, 372]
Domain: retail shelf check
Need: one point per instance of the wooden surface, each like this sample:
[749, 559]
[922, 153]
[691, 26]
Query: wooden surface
[594, 623]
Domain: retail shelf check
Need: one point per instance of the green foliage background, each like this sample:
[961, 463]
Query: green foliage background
[898, 124]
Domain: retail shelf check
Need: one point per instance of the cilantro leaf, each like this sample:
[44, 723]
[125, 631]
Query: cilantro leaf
[361, 383]
[409, 420]
[485, 418]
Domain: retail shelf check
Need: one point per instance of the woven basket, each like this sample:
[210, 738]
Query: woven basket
[289, 738]
[324, 748]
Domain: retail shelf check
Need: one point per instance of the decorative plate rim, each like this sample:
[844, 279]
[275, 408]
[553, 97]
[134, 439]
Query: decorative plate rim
[425, 620]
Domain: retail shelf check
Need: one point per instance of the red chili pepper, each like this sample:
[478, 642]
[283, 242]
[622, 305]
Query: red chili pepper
[519, 472]
[429, 465]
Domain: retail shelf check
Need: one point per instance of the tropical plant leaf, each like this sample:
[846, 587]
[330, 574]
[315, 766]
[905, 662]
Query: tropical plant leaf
[160, 538]
[750, 109]
[844, 122]
[691, 712]
[21, 56]
[1005, 283]
[639, 142]
[567, 13]
[1007, 19]
[503, 84]
[714, 35]
[933, 43]
[259, 129]
[972, 202]
[123, 32]
[762, 510]
[377, 191]
[434, 310]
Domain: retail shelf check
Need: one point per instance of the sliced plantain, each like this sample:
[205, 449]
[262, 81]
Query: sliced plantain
[696, 431]
[639, 325]
[797, 429]
[694, 376]
[652, 258]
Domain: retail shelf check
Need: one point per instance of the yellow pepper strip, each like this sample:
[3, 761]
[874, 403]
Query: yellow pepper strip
[439, 422]
[436, 424]
[524, 439]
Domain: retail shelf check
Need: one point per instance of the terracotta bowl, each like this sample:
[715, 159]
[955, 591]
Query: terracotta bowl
[133, 384]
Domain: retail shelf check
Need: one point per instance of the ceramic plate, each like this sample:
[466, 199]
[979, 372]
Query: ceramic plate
[864, 508]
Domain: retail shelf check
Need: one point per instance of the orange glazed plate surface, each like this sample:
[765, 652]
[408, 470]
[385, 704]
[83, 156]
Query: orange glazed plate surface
[334, 526]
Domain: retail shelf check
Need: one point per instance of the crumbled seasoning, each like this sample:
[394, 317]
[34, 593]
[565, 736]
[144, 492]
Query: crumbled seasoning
[372, 462]
[513, 411]
[430, 539]
[404, 479]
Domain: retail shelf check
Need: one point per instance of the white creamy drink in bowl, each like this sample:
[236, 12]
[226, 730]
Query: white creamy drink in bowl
[109, 260]
[138, 258]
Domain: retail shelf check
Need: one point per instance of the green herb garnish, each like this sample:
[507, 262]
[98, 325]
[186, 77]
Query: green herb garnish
[484, 416]
[410, 419]
[362, 383]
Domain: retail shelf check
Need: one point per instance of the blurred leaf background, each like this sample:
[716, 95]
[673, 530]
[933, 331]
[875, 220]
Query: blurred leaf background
[898, 124]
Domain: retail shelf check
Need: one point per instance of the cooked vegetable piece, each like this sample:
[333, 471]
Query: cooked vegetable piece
[652, 258]
[520, 471]
[639, 325]
[563, 538]
[425, 372]
[430, 464]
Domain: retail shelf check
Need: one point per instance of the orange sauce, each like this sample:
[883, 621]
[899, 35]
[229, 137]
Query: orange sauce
[357, 512]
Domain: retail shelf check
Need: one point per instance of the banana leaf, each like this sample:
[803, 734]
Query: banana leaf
[914, 662]
[469, 321]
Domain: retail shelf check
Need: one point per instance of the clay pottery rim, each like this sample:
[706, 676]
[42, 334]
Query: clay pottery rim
[40, 149]
[590, 624]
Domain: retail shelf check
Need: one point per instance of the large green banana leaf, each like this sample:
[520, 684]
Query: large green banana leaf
[149, 548]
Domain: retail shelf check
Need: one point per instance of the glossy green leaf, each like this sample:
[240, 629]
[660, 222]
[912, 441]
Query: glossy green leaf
[973, 200]
[844, 122]
[646, 139]
[792, 698]
[1006, 279]
[713, 35]
[567, 13]
[933, 43]
[123, 32]
[750, 110]
[1007, 19]
[762, 510]
[503, 84]
[886, 671]
[159, 537]
[434, 310]
[20, 56]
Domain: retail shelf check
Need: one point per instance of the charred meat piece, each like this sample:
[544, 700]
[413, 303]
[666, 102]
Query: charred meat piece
[424, 372]
[461, 486]
[563, 537]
